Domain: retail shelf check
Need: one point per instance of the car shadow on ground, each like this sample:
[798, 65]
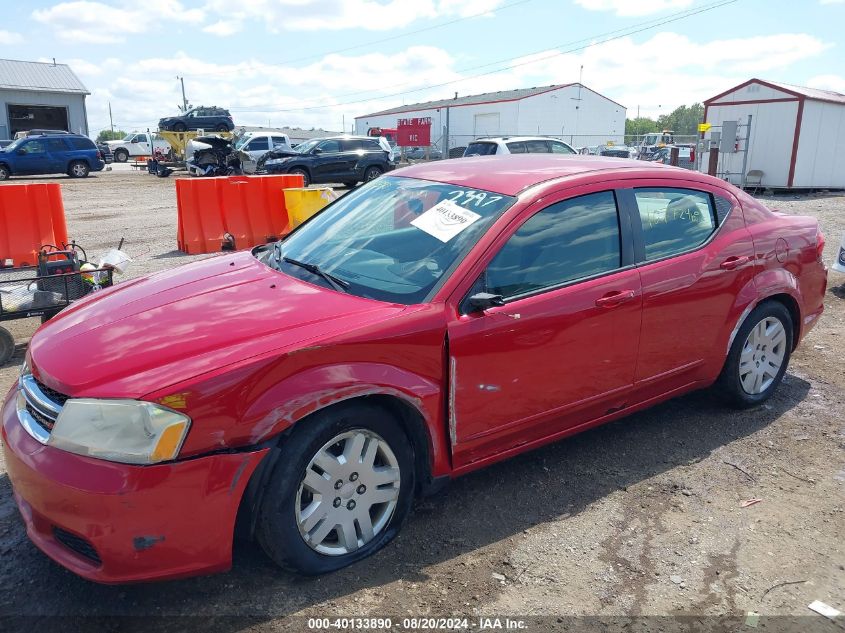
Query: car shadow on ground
[477, 510]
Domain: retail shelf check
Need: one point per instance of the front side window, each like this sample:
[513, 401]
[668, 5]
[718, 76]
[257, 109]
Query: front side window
[568, 240]
[480, 149]
[329, 146]
[259, 143]
[674, 220]
[34, 147]
[537, 147]
[393, 239]
[561, 148]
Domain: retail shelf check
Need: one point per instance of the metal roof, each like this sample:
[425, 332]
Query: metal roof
[39, 77]
[816, 94]
[487, 97]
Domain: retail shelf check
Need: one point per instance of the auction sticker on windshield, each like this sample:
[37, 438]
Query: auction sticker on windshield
[445, 220]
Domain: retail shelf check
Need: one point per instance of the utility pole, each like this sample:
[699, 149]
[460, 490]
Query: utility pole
[111, 122]
[446, 136]
[184, 100]
[578, 104]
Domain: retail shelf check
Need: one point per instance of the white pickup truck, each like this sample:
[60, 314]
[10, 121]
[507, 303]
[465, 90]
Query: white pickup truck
[136, 144]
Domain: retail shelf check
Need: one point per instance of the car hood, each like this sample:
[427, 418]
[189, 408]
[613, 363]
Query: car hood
[114, 143]
[146, 334]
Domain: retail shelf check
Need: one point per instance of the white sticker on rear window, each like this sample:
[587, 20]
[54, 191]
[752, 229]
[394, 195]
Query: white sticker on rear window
[445, 220]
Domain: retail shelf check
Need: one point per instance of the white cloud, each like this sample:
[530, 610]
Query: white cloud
[828, 82]
[628, 8]
[374, 15]
[832, 1]
[10, 37]
[658, 74]
[224, 28]
[99, 23]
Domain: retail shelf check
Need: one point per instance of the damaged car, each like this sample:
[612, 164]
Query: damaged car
[217, 156]
[427, 324]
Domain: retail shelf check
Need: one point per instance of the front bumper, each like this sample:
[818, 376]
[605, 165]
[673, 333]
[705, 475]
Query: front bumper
[118, 523]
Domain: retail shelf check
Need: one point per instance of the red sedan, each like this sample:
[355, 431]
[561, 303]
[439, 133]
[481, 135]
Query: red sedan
[425, 325]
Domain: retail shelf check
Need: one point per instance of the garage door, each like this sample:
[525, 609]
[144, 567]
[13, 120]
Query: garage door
[487, 124]
[23, 118]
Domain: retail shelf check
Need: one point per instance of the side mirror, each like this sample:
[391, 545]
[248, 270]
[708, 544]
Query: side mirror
[21, 152]
[480, 301]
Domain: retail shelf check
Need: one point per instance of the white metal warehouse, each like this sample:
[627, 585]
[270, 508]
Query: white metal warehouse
[34, 96]
[572, 112]
[797, 134]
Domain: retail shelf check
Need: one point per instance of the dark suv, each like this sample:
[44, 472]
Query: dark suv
[200, 118]
[62, 153]
[346, 159]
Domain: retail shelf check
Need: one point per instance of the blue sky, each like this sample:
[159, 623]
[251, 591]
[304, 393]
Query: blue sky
[283, 61]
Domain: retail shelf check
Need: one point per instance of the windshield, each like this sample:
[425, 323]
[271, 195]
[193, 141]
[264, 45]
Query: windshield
[14, 144]
[307, 146]
[242, 141]
[393, 239]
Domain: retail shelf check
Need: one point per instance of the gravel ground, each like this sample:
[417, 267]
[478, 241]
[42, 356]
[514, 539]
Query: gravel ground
[641, 517]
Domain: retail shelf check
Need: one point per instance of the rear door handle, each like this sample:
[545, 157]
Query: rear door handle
[734, 262]
[615, 298]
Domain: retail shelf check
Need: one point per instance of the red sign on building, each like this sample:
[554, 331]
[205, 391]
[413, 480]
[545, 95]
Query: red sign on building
[414, 132]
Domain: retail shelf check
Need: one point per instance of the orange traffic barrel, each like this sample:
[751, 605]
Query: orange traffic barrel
[31, 216]
[250, 208]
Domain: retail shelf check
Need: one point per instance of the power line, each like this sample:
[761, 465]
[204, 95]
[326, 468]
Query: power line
[366, 44]
[552, 52]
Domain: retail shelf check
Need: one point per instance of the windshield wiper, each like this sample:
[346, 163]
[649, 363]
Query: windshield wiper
[338, 284]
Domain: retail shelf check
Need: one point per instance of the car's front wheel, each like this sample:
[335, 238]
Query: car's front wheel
[78, 169]
[179, 127]
[121, 156]
[340, 490]
[759, 356]
[306, 179]
[4, 172]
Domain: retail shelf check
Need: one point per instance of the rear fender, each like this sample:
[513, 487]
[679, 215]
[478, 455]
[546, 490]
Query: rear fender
[775, 281]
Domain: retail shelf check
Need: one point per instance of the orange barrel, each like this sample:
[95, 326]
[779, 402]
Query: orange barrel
[31, 216]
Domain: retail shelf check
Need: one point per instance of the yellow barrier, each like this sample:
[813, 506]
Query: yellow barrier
[302, 203]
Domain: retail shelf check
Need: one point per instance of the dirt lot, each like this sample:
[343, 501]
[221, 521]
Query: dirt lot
[641, 517]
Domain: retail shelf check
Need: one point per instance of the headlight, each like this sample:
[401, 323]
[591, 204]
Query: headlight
[128, 431]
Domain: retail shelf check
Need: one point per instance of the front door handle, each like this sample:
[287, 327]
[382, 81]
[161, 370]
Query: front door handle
[615, 298]
[734, 262]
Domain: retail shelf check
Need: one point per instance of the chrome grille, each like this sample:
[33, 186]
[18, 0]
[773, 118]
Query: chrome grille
[38, 407]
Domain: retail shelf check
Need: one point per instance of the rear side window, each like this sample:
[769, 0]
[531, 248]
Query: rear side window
[674, 220]
[480, 149]
[279, 140]
[537, 147]
[56, 145]
[566, 241]
[516, 148]
[79, 143]
[723, 208]
[372, 145]
[350, 145]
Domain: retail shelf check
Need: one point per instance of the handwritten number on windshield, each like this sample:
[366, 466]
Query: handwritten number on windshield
[469, 197]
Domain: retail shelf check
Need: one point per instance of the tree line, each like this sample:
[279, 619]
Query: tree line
[683, 120]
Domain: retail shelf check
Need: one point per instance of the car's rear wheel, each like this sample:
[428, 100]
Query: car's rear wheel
[78, 169]
[179, 127]
[306, 179]
[372, 173]
[341, 488]
[759, 356]
[222, 127]
[121, 156]
[4, 172]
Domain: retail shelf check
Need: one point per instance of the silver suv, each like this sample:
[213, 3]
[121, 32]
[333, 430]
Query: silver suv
[517, 145]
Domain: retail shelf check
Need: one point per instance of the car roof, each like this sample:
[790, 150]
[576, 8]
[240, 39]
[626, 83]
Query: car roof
[512, 173]
[496, 139]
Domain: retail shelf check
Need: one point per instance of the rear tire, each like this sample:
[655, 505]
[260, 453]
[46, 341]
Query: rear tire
[372, 173]
[758, 357]
[121, 156]
[179, 127]
[306, 179]
[367, 493]
[222, 127]
[78, 169]
[4, 172]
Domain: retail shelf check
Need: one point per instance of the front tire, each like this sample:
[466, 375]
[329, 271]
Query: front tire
[341, 488]
[179, 127]
[758, 357]
[78, 169]
[4, 172]
[306, 179]
[121, 156]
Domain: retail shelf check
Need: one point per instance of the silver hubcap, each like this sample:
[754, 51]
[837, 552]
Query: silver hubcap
[762, 356]
[79, 170]
[348, 494]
